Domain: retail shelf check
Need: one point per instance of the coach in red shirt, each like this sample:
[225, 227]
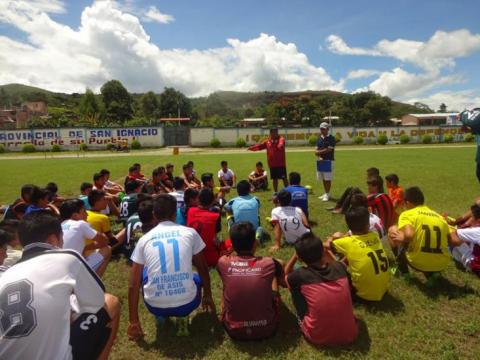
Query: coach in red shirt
[275, 146]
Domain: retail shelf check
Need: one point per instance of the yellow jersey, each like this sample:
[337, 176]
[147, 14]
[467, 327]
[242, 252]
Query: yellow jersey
[367, 264]
[428, 251]
[99, 222]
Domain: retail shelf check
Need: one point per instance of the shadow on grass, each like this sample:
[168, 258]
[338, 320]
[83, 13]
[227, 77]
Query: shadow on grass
[206, 333]
[389, 304]
[443, 287]
[361, 346]
[286, 338]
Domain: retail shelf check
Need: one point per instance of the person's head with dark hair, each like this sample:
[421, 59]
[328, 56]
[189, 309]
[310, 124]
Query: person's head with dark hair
[206, 198]
[358, 199]
[242, 235]
[284, 198]
[259, 164]
[161, 170]
[169, 167]
[132, 187]
[224, 165]
[52, 188]
[274, 133]
[105, 173]
[133, 170]
[39, 197]
[4, 240]
[40, 226]
[243, 188]
[73, 209]
[156, 175]
[138, 166]
[413, 197]
[178, 184]
[392, 180]
[358, 220]
[186, 169]
[309, 248]
[190, 164]
[10, 226]
[26, 192]
[475, 209]
[294, 178]
[373, 171]
[207, 180]
[85, 188]
[190, 197]
[375, 185]
[97, 200]
[99, 180]
[165, 207]
[145, 214]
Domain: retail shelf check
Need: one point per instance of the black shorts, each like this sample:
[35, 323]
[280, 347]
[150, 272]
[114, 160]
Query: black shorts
[278, 172]
[89, 334]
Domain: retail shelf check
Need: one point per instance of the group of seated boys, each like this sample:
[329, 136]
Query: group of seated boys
[168, 224]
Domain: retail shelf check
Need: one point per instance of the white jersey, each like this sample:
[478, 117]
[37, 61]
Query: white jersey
[75, 233]
[470, 237]
[166, 251]
[376, 225]
[290, 220]
[178, 195]
[226, 175]
[35, 302]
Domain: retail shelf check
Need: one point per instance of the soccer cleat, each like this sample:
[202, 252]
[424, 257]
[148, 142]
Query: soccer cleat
[322, 197]
[182, 326]
[326, 197]
[433, 279]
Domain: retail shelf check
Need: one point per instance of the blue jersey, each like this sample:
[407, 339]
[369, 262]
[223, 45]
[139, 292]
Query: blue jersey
[245, 208]
[299, 197]
[326, 142]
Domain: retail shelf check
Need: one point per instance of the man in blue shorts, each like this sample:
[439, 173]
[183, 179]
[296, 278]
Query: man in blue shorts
[162, 266]
[325, 153]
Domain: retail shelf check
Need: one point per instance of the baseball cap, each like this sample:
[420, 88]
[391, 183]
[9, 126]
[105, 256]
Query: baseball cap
[324, 125]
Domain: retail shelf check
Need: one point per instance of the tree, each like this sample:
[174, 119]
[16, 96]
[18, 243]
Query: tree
[379, 108]
[118, 102]
[423, 107]
[88, 105]
[442, 108]
[174, 104]
[4, 98]
[149, 105]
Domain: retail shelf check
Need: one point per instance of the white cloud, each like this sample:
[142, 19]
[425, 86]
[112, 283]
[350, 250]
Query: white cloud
[432, 57]
[112, 44]
[362, 74]
[455, 100]
[153, 14]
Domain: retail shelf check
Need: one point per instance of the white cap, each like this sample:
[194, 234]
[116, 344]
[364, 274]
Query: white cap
[324, 125]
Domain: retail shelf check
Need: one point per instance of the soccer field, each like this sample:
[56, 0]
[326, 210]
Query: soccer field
[411, 322]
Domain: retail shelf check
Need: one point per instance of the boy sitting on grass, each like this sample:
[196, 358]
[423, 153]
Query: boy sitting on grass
[76, 232]
[421, 239]
[208, 182]
[250, 300]
[287, 220]
[365, 256]
[468, 251]
[395, 192]
[226, 176]
[100, 222]
[258, 178]
[321, 294]
[208, 224]
[299, 193]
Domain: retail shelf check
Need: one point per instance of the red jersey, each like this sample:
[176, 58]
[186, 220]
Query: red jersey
[324, 305]
[382, 206]
[207, 223]
[249, 310]
[275, 151]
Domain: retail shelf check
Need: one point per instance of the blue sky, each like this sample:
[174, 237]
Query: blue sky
[200, 29]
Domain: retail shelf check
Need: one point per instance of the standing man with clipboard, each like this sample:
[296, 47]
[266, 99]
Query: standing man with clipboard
[325, 152]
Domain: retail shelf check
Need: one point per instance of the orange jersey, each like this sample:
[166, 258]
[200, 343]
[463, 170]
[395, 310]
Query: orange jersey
[396, 195]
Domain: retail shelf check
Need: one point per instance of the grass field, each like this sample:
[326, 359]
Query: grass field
[412, 322]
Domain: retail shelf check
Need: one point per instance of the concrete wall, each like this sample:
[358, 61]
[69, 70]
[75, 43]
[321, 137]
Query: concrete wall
[71, 138]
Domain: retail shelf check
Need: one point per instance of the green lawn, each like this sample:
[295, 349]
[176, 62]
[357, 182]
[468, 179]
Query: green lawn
[411, 322]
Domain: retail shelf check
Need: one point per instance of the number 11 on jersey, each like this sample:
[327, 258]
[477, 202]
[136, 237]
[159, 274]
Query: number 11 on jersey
[163, 256]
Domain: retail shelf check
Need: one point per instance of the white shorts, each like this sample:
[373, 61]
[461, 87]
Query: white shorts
[94, 260]
[463, 254]
[325, 176]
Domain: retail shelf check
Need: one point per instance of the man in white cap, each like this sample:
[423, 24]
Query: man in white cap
[325, 152]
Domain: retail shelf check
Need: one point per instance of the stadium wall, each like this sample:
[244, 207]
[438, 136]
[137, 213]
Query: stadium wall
[71, 138]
